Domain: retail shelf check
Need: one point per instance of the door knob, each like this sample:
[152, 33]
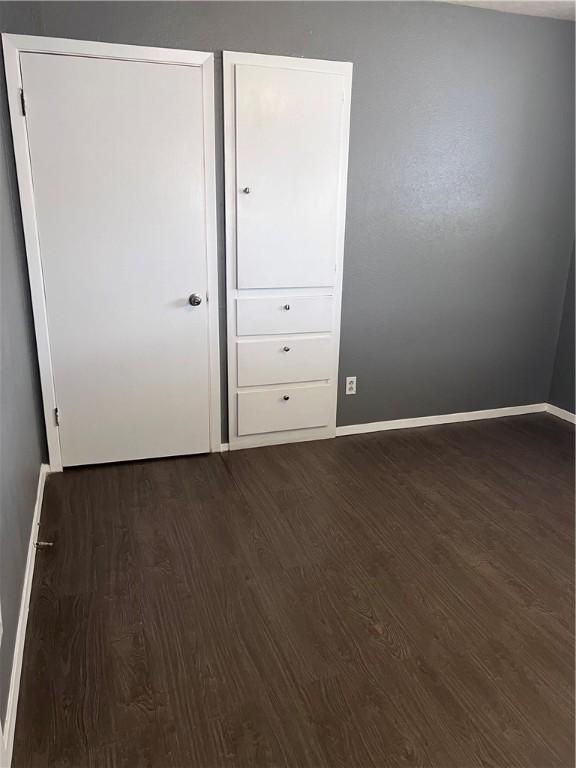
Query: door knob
[194, 299]
[246, 190]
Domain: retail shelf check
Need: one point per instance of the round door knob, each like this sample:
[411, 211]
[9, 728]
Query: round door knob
[246, 190]
[286, 349]
[286, 397]
[286, 307]
[194, 299]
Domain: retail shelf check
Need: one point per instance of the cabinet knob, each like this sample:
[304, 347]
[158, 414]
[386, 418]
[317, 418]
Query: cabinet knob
[286, 307]
[246, 190]
[286, 397]
[286, 349]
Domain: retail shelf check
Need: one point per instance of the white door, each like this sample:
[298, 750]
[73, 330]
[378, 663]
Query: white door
[290, 128]
[116, 151]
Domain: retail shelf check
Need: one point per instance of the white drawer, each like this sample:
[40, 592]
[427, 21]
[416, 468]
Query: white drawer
[270, 411]
[283, 360]
[302, 314]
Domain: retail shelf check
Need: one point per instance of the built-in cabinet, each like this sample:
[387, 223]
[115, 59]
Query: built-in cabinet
[286, 143]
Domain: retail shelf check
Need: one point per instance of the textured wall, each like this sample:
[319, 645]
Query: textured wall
[563, 384]
[460, 202]
[21, 423]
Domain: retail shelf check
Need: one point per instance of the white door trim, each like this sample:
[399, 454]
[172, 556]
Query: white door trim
[13, 46]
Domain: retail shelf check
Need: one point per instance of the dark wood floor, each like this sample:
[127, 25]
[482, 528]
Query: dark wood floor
[396, 599]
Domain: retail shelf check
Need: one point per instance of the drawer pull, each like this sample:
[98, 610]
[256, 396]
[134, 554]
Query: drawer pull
[286, 349]
[286, 397]
[286, 307]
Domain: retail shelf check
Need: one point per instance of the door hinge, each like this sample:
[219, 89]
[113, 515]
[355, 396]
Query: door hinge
[57, 417]
[23, 102]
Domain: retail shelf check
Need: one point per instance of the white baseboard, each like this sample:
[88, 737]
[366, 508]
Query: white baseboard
[7, 733]
[561, 413]
[447, 418]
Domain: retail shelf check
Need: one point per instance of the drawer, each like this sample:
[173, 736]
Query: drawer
[283, 360]
[269, 411]
[302, 314]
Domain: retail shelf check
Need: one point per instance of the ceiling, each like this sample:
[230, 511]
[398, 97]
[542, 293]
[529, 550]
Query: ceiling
[555, 9]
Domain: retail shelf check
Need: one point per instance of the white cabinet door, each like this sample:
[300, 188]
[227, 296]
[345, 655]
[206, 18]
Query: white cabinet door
[289, 135]
[117, 157]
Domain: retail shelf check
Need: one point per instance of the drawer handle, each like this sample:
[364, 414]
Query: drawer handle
[286, 397]
[286, 307]
[286, 349]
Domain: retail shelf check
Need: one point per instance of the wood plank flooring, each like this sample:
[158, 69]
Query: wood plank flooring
[396, 599]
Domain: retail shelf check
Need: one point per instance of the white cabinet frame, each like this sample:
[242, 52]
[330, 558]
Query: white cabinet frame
[13, 46]
[230, 60]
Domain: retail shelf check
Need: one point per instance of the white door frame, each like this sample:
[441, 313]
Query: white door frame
[13, 46]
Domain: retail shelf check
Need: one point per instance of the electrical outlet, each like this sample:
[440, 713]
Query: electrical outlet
[350, 385]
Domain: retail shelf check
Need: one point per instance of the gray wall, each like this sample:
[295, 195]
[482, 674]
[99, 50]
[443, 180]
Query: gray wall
[460, 204]
[21, 423]
[562, 385]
